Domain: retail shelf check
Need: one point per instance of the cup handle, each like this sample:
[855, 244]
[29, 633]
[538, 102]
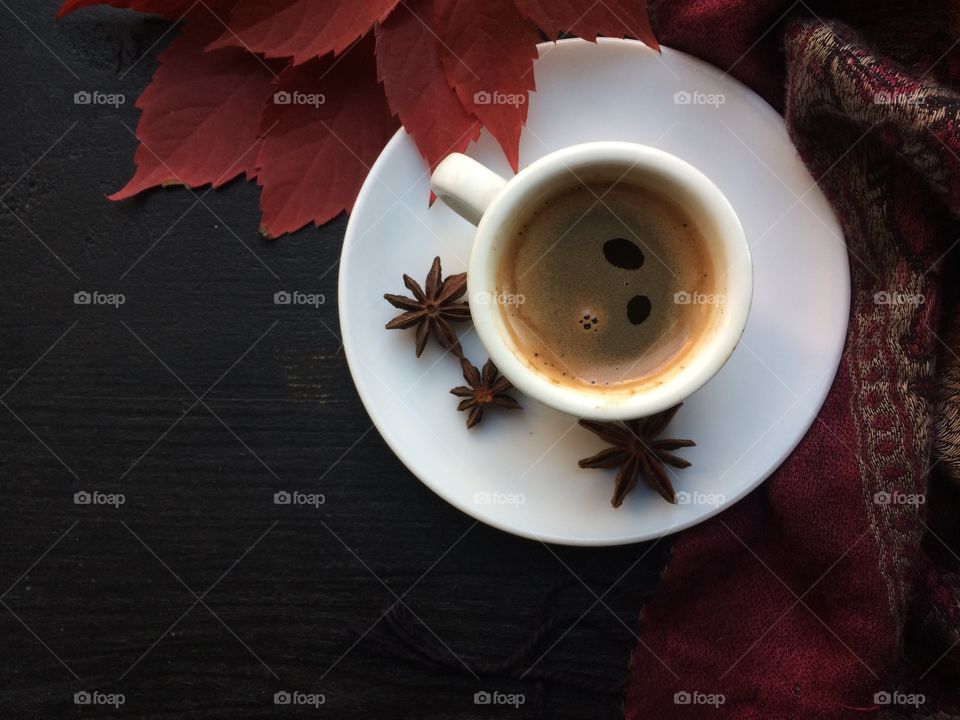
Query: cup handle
[466, 186]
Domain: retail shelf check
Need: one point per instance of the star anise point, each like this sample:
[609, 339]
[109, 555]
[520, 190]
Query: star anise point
[482, 390]
[638, 453]
[432, 308]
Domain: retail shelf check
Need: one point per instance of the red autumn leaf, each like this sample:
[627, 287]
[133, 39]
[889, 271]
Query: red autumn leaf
[201, 113]
[327, 125]
[301, 29]
[586, 19]
[489, 48]
[409, 66]
[172, 9]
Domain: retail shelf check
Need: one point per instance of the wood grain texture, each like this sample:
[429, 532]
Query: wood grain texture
[116, 599]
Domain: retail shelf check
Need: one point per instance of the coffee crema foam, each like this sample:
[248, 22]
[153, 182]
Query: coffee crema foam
[617, 292]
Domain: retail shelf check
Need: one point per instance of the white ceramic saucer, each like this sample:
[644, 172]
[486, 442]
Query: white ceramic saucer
[518, 470]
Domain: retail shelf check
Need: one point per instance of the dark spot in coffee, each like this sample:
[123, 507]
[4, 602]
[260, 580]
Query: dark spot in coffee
[622, 253]
[587, 322]
[638, 309]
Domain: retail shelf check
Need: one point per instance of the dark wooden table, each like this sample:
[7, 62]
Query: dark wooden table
[198, 399]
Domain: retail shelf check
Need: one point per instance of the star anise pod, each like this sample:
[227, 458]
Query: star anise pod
[634, 449]
[432, 308]
[480, 391]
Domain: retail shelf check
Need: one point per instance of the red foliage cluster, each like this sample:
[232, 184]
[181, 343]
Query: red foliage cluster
[303, 94]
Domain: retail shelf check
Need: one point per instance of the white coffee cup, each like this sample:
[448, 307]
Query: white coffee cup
[497, 207]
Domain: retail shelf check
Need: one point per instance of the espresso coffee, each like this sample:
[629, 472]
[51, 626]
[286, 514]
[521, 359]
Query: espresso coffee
[611, 292]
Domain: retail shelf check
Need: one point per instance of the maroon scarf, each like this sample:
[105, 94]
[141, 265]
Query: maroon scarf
[831, 591]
